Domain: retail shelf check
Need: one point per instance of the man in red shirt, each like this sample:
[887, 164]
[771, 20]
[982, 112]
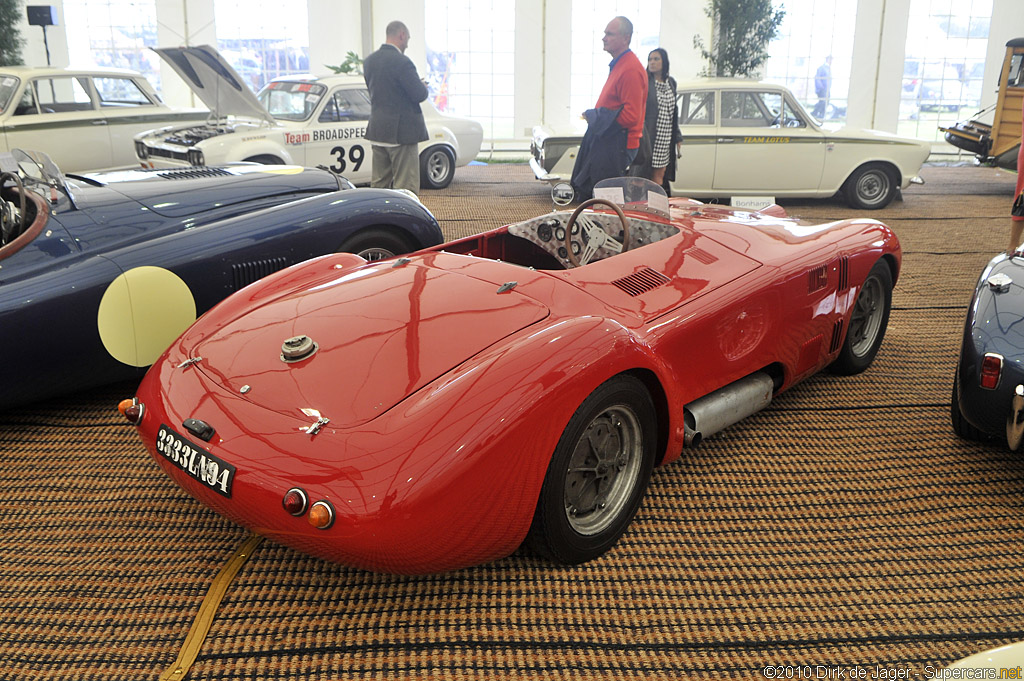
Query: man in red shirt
[626, 86]
[616, 122]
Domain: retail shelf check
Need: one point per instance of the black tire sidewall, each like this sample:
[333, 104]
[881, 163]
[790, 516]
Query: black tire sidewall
[551, 534]
[853, 198]
[375, 237]
[425, 181]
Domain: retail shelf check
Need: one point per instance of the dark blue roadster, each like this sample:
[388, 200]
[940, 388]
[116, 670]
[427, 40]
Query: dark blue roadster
[100, 273]
[988, 391]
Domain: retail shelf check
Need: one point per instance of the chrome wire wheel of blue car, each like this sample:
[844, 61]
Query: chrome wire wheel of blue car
[376, 244]
[598, 473]
[868, 321]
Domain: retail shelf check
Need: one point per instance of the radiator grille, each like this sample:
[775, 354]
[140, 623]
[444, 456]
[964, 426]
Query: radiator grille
[641, 281]
[243, 274]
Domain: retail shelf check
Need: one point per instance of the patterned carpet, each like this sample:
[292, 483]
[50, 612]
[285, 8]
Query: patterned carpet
[843, 526]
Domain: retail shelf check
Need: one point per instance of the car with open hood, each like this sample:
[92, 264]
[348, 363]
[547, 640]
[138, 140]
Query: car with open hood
[304, 120]
[99, 273]
[747, 138]
[84, 119]
[433, 411]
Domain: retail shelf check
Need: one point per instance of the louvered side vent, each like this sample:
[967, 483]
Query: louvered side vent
[193, 173]
[844, 272]
[817, 279]
[245, 273]
[641, 282]
[837, 337]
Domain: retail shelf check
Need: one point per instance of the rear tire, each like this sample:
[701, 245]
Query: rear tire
[437, 168]
[961, 426]
[868, 320]
[597, 475]
[872, 186]
[376, 243]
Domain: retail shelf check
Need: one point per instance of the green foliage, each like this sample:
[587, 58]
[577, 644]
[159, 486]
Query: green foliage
[352, 65]
[10, 37]
[741, 31]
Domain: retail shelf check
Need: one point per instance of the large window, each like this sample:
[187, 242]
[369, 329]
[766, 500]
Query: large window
[589, 62]
[471, 61]
[113, 33]
[813, 53]
[944, 64]
[264, 39]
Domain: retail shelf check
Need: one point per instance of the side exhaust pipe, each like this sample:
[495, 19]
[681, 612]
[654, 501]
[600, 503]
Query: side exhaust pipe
[726, 406]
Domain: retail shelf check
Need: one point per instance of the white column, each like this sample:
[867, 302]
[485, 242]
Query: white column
[876, 76]
[182, 23]
[335, 28]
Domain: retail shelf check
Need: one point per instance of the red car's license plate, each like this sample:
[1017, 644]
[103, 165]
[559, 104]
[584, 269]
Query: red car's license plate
[195, 461]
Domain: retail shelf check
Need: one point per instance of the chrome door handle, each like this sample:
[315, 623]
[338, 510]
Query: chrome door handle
[101, 121]
[726, 140]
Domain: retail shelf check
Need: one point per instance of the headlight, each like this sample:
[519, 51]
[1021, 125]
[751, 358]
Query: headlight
[141, 150]
[195, 157]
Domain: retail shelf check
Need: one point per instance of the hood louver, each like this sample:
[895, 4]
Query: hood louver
[641, 281]
[193, 173]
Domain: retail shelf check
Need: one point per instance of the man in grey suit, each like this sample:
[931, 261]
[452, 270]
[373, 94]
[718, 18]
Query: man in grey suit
[396, 123]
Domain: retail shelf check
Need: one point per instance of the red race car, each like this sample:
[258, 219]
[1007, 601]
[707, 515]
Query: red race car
[433, 411]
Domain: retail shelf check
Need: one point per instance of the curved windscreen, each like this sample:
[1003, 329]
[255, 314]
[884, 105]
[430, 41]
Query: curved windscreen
[634, 193]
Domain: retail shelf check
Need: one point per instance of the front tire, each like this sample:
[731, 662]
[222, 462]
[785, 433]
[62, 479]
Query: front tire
[868, 321]
[375, 243]
[872, 186]
[437, 168]
[597, 475]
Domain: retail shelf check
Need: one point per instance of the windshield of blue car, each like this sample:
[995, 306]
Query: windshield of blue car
[291, 100]
[8, 86]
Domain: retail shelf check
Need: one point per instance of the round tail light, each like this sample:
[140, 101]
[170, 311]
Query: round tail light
[321, 515]
[295, 501]
[132, 410]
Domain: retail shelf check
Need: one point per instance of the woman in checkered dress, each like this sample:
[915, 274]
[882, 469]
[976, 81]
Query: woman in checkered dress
[666, 140]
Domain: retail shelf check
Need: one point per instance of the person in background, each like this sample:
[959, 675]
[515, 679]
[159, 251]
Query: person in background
[615, 124]
[396, 125]
[662, 129]
[1017, 221]
[822, 87]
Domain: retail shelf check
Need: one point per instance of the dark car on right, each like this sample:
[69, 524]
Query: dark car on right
[988, 390]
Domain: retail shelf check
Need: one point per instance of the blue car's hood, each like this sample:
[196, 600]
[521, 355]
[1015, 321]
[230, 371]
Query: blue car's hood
[181, 192]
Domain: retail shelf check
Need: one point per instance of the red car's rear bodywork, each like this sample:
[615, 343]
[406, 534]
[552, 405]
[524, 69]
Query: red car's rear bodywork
[447, 387]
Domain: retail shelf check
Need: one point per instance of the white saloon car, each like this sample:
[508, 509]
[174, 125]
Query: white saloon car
[83, 119]
[746, 138]
[299, 120]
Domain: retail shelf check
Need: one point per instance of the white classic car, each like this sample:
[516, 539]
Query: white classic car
[84, 119]
[301, 120]
[743, 138]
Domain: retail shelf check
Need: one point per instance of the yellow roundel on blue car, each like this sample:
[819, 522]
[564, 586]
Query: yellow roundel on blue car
[142, 312]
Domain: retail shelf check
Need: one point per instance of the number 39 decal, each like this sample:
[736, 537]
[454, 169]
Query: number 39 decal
[355, 155]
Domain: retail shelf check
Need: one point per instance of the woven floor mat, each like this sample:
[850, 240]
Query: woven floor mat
[845, 525]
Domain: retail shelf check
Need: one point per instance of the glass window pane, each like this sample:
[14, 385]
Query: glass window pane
[470, 61]
[119, 92]
[944, 65]
[263, 39]
[115, 33]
